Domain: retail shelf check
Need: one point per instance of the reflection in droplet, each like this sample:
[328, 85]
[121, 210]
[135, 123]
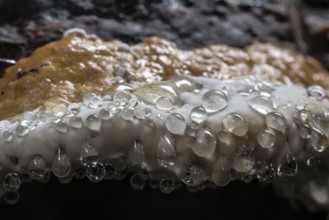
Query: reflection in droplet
[61, 165]
[166, 153]
[214, 101]
[235, 124]
[205, 142]
[175, 123]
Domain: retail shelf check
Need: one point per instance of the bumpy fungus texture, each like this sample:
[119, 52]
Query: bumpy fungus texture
[83, 107]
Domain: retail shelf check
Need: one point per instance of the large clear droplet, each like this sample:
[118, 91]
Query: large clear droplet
[175, 123]
[287, 167]
[262, 105]
[205, 142]
[95, 172]
[92, 100]
[316, 92]
[76, 121]
[61, 165]
[11, 182]
[194, 175]
[199, 115]
[319, 140]
[166, 153]
[276, 121]
[235, 124]
[214, 101]
[136, 153]
[22, 128]
[88, 153]
[164, 104]
[221, 174]
[138, 181]
[94, 122]
[37, 167]
[266, 138]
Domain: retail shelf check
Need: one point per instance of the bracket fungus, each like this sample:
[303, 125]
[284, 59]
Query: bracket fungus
[84, 107]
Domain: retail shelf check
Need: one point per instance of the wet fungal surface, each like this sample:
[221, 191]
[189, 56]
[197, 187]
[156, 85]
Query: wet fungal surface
[82, 108]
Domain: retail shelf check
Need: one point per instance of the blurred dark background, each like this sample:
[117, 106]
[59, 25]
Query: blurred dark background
[28, 24]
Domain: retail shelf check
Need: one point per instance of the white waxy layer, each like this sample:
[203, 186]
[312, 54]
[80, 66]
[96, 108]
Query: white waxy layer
[174, 128]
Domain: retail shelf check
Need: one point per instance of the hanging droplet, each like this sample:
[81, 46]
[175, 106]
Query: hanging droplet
[136, 153]
[235, 124]
[76, 121]
[105, 114]
[138, 181]
[166, 153]
[175, 123]
[119, 163]
[127, 113]
[244, 159]
[11, 198]
[266, 138]
[313, 162]
[214, 101]
[122, 97]
[59, 110]
[276, 121]
[288, 167]
[316, 92]
[205, 142]
[8, 135]
[167, 185]
[164, 104]
[199, 115]
[265, 172]
[319, 140]
[67, 179]
[194, 175]
[22, 128]
[261, 104]
[96, 172]
[74, 108]
[61, 165]
[304, 131]
[61, 126]
[92, 100]
[94, 122]
[11, 182]
[37, 167]
[88, 153]
[221, 174]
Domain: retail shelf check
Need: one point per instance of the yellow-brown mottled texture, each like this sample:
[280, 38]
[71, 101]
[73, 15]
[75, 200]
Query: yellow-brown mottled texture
[75, 65]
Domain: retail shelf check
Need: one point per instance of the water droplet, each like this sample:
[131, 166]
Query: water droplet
[262, 105]
[235, 124]
[119, 163]
[244, 159]
[319, 140]
[105, 114]
[313, 162]
[122, 97]
[191, 129]
[194, 175]
[136, 153]
[11, 182]
[76, 121]
[92, 100]
[61, 126]
[138, 181]
[316, 92]
[88, 153]
[67, 179]
[96, 172]
[167, 185]
[266, 138]
[22, 128]
[265, 172]
[11, 198]
[7, 136]
[61, 165]
[214, 101]
[199, 115]
[304, 131]
[127, 113]
[175, 123]
[205, 142]
[74, 108]
[166, 153]
[288, 167]
[303, 117]
[164, 104]
[59, 110]
[37, 167]
[276, 121]
[133, 102]
[94, 122]
[221, 171]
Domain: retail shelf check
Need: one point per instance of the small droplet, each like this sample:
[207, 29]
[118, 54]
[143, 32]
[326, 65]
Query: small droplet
[194, 175]
[214, 101]
[244, 160]
[276, 121]
[59, 110]
[175, 123]
[303, 117]
[92, 100]
[8, 136]
[105, 114]
[288, 167]
[61, 126]
[74, 108]
[316, 92]
[136, 153]
[61, 165]
[127, 113]
[313, 162]
[167, 185]
[22, 128]
[11, 198]
[166, 153]
[96, 172]
[235, 124]
[191, 129]
[76, 121]
[119, 163]
[164, 104]
[122, 97]
[138, 181]
[262, 105]
[80, 173]
[205, 142]
[266, 138]
[199, 115]
[319, 140]
[11, 182]
[265, 172]
[94, 122]
[221, 171]
[88, 153]
[37, 167]
[304, 131]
